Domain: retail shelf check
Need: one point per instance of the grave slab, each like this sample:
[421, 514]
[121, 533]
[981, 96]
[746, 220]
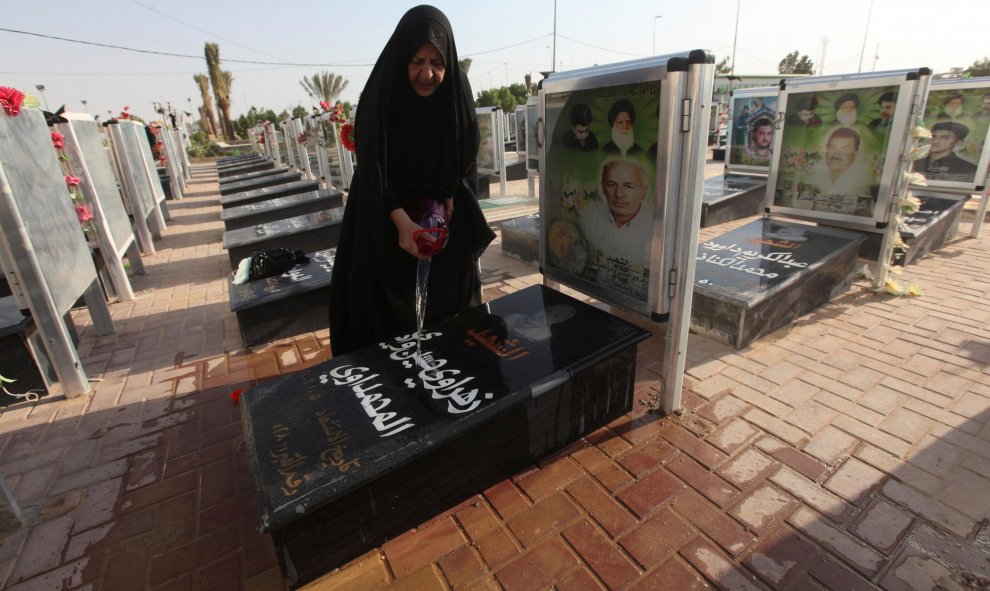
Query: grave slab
[731, 197]
[266, 193]
[279, 208]
[229, 171]
[349, 453]
[925, 230]
[757, 278]
[309, 232]
[228, 160]
[521, 238]
[285, 306]
[247, 176]
[258, 183]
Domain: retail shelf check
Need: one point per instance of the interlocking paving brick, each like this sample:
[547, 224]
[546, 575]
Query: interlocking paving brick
[888, 443]
[759, 509]
[672, 574]
[602, 467]
[538, 568]
[746, 468]
[610, 515]
[726, 532]
[724, 574]
[43, 549]
[929, 508]
[700, 450]
[506, 499]
[806, 465]
[462, 566]
[496, 547]
[723, 408]
[732, 436]
[775, 426]
[780, 554]
[882, 525]
[647, 456]
[656, 538]
[579, 580]
[863, 558]
[477, 519]
[853, 480]
[823, 501]
[810, 417]
[711, 485]
[604, 559]
[651, 492]
[906, 425]
[543, 519]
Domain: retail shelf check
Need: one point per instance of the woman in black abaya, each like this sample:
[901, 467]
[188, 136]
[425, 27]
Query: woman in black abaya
[417, 137]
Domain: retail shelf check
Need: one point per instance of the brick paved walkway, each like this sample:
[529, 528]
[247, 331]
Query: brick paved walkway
[848, 451]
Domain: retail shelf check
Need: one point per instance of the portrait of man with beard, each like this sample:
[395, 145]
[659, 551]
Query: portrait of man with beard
[621, 118]
[953, 107]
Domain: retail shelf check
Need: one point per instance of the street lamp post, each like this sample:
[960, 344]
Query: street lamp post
[506, 64]
[655, 32]
[41, 89]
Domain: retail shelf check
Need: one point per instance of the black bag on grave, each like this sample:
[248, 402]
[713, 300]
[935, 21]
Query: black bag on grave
[275, 262]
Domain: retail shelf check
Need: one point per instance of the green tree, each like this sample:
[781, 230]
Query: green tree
[723, 68]
[979, 68]
[324, 86]
[222, 81]
[299, 111]
[252, 118]
[465, 64]
[795, 64]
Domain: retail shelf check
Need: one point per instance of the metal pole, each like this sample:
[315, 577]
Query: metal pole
[655, 33]
[554, 60]
[735, 38]
[866, 33]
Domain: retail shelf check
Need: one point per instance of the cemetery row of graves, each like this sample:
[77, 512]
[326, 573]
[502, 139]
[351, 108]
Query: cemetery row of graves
[840, 170]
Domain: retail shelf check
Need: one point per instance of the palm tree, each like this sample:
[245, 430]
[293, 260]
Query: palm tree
[207, 121]
[221, 81]
[324, 86]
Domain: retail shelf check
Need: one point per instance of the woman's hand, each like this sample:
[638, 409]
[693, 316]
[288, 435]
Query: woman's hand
[405, 228]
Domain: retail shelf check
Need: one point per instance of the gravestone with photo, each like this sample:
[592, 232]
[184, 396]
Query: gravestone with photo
[308, 233]
[279, 208]
[352, 452]
[284, 306]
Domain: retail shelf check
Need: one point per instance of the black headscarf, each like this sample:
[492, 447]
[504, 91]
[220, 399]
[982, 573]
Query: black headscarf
[407, 146]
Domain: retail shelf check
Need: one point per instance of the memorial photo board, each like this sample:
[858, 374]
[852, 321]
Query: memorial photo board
[89, 156]
[533, 144]
[837, 155]
[37, 184]
[753, 119]
[487, 120]
[520, 123]
[142, 199]
[139, 138]
[958, 115]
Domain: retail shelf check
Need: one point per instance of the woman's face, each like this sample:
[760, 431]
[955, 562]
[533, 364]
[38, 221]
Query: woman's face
[426, 70]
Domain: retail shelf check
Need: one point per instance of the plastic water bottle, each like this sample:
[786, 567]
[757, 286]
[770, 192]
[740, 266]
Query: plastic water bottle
[432, 217]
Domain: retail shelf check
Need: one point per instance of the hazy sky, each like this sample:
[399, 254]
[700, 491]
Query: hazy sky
[506, 39]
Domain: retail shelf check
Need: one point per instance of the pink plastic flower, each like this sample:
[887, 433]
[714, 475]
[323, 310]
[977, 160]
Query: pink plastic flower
[325, 105]
[72, 181]
[57, 140]
[11, 100]
[83, 213]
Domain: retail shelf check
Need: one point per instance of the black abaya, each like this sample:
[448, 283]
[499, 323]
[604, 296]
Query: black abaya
[408, 147]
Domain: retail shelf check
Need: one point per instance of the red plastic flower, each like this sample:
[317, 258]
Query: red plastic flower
[83, 213]
[236, 395]
[72, 181]
[163, 159]
[347, 137]
[325, 105]
[125, 115]
[11, 100]
[57, 140]
[261, 140]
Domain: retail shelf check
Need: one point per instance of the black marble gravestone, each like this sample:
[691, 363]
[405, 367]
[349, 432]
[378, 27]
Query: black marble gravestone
[279, 208]
[308, 233]
[928, 229]
[284, 306]
[23, 356]
[266, 193]
[521, 238]
[228, 160]
[230, 181]
[761, 276]
[283, 177]
[354, 451]
[731, 197]
[259, 165]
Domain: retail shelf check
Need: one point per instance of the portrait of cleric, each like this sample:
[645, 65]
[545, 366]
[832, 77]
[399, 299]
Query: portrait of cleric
[958, 120]
[752, 140]
[833, 150]
[599, 202]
